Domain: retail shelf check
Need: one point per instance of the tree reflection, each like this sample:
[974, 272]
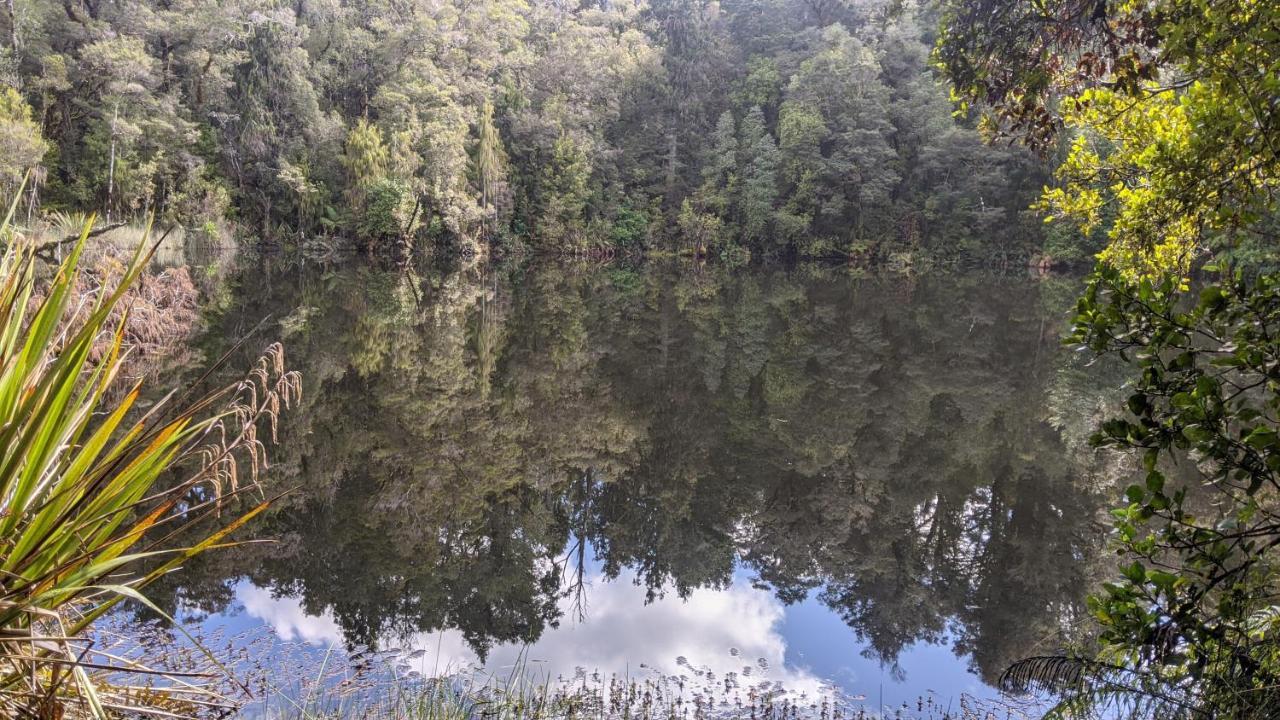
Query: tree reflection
[465, 437]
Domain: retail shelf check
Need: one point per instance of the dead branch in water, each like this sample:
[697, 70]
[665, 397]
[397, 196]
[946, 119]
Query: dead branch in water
[46, 251]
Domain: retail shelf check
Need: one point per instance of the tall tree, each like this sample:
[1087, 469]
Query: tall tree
[489, 159]
[759, 176]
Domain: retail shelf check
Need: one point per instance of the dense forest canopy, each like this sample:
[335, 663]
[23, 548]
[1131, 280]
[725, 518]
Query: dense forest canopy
[777, 127]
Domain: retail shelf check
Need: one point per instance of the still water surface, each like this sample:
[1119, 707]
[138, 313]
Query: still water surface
[794, 474]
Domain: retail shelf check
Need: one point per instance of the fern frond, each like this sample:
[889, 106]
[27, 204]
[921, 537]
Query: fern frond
[1092, 689]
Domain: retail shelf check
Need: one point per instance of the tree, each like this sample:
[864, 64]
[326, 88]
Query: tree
[365, 155]
[1168, 113]
[489, 160]
[429, 136]
[692, 58]
[123, 73]
[762, 87]
[759, 176]
[1171, 111]
[273, 118]
[834, 136]
[564, 193]
[21, 145]
[720, 170]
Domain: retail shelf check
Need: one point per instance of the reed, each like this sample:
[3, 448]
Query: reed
[299, 683]
[85, 521]
[517, 697]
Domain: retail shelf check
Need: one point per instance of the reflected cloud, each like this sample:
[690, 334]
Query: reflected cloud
[286, 618]
[735, 630]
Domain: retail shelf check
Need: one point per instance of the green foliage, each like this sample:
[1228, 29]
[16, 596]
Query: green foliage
[365, 155]
[720, 171]
[1170, 108]
[762, 86]
[81, 482]
[21, 145]
[700, 230]
[489, 160]
[1190, 615]
[564, 194]
[386, 215]
[505, 117]
[759, 177]
[630, 228]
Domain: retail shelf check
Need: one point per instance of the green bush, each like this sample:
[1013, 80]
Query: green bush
[386, 212]
[630, 228]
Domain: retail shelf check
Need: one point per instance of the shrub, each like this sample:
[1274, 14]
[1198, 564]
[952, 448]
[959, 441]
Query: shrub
[81, 507]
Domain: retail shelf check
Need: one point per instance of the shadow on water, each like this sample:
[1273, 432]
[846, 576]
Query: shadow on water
[908, 452]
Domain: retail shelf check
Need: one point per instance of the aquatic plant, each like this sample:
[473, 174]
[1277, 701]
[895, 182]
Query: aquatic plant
[594, 696]
[85, 521]
[299, 681]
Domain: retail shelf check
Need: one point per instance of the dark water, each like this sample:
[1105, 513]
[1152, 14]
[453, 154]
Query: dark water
[881, 483]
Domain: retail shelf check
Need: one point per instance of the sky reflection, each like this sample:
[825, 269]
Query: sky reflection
[804, 647]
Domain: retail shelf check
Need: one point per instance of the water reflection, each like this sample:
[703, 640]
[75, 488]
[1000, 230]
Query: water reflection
[473, 448]
[738, 630]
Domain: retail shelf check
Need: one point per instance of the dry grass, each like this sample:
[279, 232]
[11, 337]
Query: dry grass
[161, 307]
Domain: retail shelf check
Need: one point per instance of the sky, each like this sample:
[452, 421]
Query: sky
[739, 629]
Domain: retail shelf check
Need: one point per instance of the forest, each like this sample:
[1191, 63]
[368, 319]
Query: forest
[920, 324]
[747, 128]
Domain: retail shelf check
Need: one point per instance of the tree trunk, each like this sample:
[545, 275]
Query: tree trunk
[111, 164]
[413, 217]
[13, 29]
[672, 167]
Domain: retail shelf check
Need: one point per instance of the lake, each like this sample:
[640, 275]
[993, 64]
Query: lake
[801, 475]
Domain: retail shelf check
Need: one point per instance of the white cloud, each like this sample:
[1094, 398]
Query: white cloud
[286, 617]
[719, 630]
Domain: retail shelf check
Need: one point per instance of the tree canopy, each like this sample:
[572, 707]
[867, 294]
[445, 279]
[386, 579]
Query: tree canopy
[1164, 117]
[509, 125]
[1166, 111]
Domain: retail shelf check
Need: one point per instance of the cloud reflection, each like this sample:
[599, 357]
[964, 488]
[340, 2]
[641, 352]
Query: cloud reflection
[732, 630]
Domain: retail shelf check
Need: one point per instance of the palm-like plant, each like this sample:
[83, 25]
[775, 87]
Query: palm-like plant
[84, 518]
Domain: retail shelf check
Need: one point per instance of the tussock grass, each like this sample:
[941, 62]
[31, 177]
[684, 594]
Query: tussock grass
[81, 507]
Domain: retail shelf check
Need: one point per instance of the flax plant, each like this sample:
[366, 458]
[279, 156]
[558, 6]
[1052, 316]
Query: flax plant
[96, 493]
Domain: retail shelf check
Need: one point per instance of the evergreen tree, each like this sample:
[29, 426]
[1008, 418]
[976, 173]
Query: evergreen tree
[759, 176]
[489, 159]
[720, 170]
